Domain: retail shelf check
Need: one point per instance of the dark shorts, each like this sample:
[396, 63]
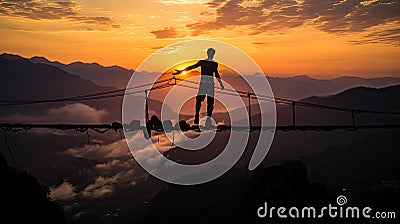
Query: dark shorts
[206, 89]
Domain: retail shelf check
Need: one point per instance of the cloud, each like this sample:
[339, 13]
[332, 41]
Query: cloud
[171, 49]
[356, 16]
[114, 166]
[206, 13]
[69, 113]
[215, 3]
[182, 2]
[53, 10]
[105, 185]
[339, 17]
[102, 186]
[117, 149]
[75, 113]
[387, 34]
[167, 32]
[120, 154]
[65, 191]
[149, 157]
[118, 169]
[260, 43]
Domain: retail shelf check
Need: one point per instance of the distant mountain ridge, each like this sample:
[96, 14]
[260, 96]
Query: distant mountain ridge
[23, 79]
[299, 87]
[110, 76]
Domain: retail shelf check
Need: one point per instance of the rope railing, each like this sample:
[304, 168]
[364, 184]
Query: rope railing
[165, 83]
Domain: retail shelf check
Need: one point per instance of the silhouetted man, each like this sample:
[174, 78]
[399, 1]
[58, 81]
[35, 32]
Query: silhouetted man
[206, 87]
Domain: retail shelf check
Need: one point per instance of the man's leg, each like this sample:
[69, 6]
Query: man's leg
[210, 105]
[199, 100]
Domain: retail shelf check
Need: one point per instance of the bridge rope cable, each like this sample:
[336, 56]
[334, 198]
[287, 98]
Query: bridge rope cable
[275, 99]
[93, 96]
[298, 103]
[122, 92]
[243, 93]
[232, 94]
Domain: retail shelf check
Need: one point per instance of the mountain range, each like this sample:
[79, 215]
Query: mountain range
[296, 87]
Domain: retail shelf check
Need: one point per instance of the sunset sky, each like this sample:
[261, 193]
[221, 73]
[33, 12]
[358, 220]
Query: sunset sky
[319, 38]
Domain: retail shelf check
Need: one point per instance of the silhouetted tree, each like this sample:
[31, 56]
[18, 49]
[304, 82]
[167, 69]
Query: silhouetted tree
[25, 200]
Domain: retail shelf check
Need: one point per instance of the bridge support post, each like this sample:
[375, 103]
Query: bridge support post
[294, 114]
[147, 130]
[146, 107]
[249, 111]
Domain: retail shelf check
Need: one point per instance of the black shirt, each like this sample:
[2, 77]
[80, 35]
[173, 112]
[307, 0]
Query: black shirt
[207, 68]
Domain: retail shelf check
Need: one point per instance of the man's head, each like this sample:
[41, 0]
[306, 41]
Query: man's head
[210, 53]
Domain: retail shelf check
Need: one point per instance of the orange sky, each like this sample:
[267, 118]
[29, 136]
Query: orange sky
[314, 37]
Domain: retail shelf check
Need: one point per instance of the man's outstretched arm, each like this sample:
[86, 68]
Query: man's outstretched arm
[192, 67]
[188, 68]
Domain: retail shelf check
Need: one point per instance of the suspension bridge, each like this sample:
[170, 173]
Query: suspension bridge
[182, 126]
[167, 126]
